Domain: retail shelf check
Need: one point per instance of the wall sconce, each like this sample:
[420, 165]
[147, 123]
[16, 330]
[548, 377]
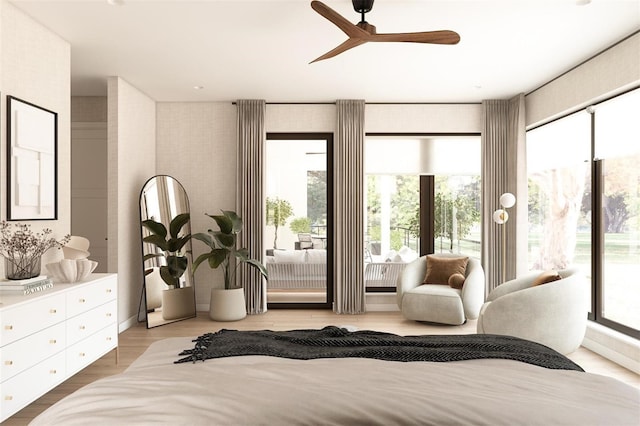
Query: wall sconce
[501, 216]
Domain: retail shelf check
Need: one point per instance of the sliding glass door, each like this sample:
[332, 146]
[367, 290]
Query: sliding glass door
[298, 224]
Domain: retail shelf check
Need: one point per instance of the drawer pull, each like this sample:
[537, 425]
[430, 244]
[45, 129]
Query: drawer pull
[82, 327]
[108, 290]
[53, 372]
[108, 339]
[81, 354]
[81, 300]
[8, 327]
[53, 341]
[8, 398]
[108, 314]
[53, 311]
[8, 363]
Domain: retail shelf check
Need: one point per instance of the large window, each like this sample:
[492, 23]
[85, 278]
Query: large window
[422, 196]
[617, 150]
[584, 204]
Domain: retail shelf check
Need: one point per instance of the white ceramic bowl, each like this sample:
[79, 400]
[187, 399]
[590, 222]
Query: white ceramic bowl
[74, 253]
[71, 270]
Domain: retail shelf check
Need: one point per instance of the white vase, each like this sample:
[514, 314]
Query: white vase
[227, 305]
[178, 303]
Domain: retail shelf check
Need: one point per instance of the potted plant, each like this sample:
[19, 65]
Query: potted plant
[226, 304]
[171, 243]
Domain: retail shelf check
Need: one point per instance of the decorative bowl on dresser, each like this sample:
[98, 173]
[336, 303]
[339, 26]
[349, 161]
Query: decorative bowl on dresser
[48, 336]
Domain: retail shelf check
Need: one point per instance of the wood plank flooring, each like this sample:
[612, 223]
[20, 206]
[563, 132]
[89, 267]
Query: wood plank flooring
[134, 341]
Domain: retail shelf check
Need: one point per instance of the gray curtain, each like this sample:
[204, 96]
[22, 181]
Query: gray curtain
[349, 208]
[250, 167]
[503, 170]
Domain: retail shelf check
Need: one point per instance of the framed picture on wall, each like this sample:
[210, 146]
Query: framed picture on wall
[32, 158]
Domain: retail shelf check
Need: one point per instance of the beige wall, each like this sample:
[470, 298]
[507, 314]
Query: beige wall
[131, 138]
[613, 71]
[35, 67]
[196, 145]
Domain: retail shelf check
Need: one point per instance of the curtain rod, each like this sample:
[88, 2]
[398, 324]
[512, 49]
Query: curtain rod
[372, 103]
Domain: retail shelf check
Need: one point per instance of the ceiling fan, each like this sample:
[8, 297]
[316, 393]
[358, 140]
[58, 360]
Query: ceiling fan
[363, 31]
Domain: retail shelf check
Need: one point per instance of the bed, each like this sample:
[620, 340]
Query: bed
[210, 382]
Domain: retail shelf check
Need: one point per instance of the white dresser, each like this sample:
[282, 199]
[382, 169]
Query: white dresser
[47, 337]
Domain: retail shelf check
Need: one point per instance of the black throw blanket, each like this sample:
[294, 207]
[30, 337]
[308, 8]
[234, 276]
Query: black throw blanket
[335, 342]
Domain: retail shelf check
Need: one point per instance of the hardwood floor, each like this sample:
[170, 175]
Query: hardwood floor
[134, 341]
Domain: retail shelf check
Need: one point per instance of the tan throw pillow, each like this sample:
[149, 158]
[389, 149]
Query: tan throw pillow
[439, 269]
[546, 277]
[456, 281]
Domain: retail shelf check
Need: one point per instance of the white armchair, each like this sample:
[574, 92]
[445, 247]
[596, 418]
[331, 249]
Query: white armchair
[437, 302]
[553, 314]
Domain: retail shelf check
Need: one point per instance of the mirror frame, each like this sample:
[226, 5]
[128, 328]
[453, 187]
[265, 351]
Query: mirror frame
[155, 294]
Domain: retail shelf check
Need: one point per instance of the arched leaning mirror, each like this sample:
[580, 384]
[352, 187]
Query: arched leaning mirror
[166, 251]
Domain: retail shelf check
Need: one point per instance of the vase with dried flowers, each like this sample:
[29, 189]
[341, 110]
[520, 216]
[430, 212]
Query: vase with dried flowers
[22, 249]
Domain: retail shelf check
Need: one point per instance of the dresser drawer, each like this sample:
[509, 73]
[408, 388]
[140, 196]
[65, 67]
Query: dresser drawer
[29, 385]
[27, 352]
[87, 297]
[84, 325]
[23, 320]
[90, 349]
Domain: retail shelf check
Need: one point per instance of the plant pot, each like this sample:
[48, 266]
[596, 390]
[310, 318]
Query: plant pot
[227, 305]
[178, 303]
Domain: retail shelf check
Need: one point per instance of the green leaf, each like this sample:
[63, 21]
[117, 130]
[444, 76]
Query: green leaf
[225, 240]
[259, 266]
[236, 222]
[155, 228]
[177, 223]
[224, 223]
[157, 240]
[176, 245]
[166, 276]
[177, 265]
[217, 257]
[205, 238]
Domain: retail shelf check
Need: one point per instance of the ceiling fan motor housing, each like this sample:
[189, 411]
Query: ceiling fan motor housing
[362, 6]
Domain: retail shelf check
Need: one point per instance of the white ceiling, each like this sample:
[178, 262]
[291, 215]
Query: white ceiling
[261, 49]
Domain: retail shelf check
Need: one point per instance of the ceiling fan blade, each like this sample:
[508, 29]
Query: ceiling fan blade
[350, 43]
[434, 37]
[338, 20]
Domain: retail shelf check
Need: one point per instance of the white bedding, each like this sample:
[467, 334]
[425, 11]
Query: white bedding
[260, 390]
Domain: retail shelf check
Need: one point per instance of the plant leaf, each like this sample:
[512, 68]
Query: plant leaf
[166, 276]
[155, 228]
[217, 257]
[224, 223]
[236, 221]
[259, 266]
[175, 245]
[205, 238]
[225, 240]
[177, 223]
[157, 240]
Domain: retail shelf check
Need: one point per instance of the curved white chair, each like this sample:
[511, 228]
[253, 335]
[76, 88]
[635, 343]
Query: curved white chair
[553, 314]
[437, 302]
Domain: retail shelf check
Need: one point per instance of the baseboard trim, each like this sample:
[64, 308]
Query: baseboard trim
[631, 345]
[127, 324]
